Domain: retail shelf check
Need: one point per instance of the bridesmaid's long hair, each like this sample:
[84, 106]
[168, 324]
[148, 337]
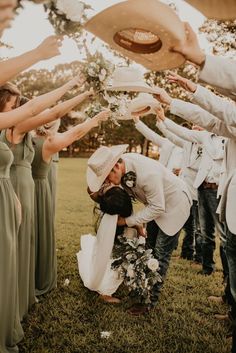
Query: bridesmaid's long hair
[6, 92]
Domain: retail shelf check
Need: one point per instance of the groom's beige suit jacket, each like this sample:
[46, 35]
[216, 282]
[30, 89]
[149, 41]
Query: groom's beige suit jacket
[165, 196]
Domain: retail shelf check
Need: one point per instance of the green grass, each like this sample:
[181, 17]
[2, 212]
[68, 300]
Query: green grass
[70, 319]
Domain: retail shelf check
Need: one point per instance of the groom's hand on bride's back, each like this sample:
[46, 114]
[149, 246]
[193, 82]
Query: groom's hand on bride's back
[141, 231]
[121, 221]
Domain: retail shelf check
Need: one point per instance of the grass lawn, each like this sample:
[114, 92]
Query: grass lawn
[71, 318]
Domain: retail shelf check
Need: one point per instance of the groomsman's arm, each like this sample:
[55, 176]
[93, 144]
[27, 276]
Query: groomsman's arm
[220, 107]
[201, 117]
[154, 192]
[183, 132]
[150, 134]
[221, 73]
[171, 137]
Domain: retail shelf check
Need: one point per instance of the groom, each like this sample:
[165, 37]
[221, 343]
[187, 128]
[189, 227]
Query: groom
[166, 198]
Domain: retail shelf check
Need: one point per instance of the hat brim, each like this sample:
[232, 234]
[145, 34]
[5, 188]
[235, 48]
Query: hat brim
[132, 88]
[93, 181]
[139, 106]
[157, 18]
[215, 9]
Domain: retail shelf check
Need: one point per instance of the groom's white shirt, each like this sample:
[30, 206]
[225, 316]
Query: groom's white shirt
[171, 155]
[166, 197]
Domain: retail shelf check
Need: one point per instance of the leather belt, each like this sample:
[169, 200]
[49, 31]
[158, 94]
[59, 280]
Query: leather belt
[206, 185]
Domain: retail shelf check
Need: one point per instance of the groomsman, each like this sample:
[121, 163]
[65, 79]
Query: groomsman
[178, 154]
[192, 242]
[206, 181]
[166, 198]
[221, 73]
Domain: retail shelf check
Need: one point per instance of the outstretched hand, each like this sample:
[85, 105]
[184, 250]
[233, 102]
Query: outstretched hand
[90, 93]
[162, 96]
[77, 81]
[102, 116]
[141, 231]
[160, 114]
[190, 47]
[49, 47]
[181, 81]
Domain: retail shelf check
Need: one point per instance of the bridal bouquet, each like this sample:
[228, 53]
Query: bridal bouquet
[97, 70]
[137, 266]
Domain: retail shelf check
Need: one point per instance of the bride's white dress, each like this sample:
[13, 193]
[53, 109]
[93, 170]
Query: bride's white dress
[94, 258]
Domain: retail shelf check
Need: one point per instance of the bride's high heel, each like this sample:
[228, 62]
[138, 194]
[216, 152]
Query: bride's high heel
[109, 299]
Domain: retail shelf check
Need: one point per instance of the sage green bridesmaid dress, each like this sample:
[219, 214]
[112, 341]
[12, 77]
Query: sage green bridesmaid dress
[10, 328]
[46, 265]
[23, 184]
[52, 179]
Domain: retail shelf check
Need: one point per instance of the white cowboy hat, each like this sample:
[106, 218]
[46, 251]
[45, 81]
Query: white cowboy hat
[101, 163]
[144, 31]
[217, 9]
[129, 79]
[142, 105]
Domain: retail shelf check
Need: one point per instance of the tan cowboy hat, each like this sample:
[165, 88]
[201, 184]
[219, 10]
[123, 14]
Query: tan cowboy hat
[143, 105]
[143, 31]
[101, 163]
[217, 9]
[129, 79]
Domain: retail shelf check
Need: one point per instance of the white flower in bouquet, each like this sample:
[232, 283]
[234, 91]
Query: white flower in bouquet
[141, 240]
[153, 264]
[130, 183]
[102, 75]
[91, 72]
[130, 271]
[73, 9]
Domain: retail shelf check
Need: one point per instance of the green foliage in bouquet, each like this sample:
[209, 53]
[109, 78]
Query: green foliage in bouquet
[137, 266]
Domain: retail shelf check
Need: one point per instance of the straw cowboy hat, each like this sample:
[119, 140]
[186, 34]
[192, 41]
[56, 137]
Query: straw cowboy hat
[143, 31]
[217, 9]
[129, 79]
[101, 163]
[143, 105]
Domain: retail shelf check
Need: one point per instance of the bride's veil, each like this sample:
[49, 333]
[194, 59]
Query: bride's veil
[95, 253]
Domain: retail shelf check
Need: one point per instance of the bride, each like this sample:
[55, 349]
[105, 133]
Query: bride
[95, 256]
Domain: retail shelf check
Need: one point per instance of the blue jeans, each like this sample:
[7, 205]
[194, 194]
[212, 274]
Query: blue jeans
[192, 242]
[209, 221]
[162, 251]
[231, 257]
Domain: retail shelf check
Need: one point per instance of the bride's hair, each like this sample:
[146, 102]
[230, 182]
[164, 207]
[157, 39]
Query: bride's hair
[116, 201]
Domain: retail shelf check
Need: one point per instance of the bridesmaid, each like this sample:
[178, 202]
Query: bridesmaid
[10, 328]
[52, 174]
[46, 145]
[23, 129]
[21, 178]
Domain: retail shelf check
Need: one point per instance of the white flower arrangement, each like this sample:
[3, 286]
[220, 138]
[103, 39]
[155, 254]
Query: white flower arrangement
[67, 16]
[137, 266]
[97, 70]
[72, 9]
